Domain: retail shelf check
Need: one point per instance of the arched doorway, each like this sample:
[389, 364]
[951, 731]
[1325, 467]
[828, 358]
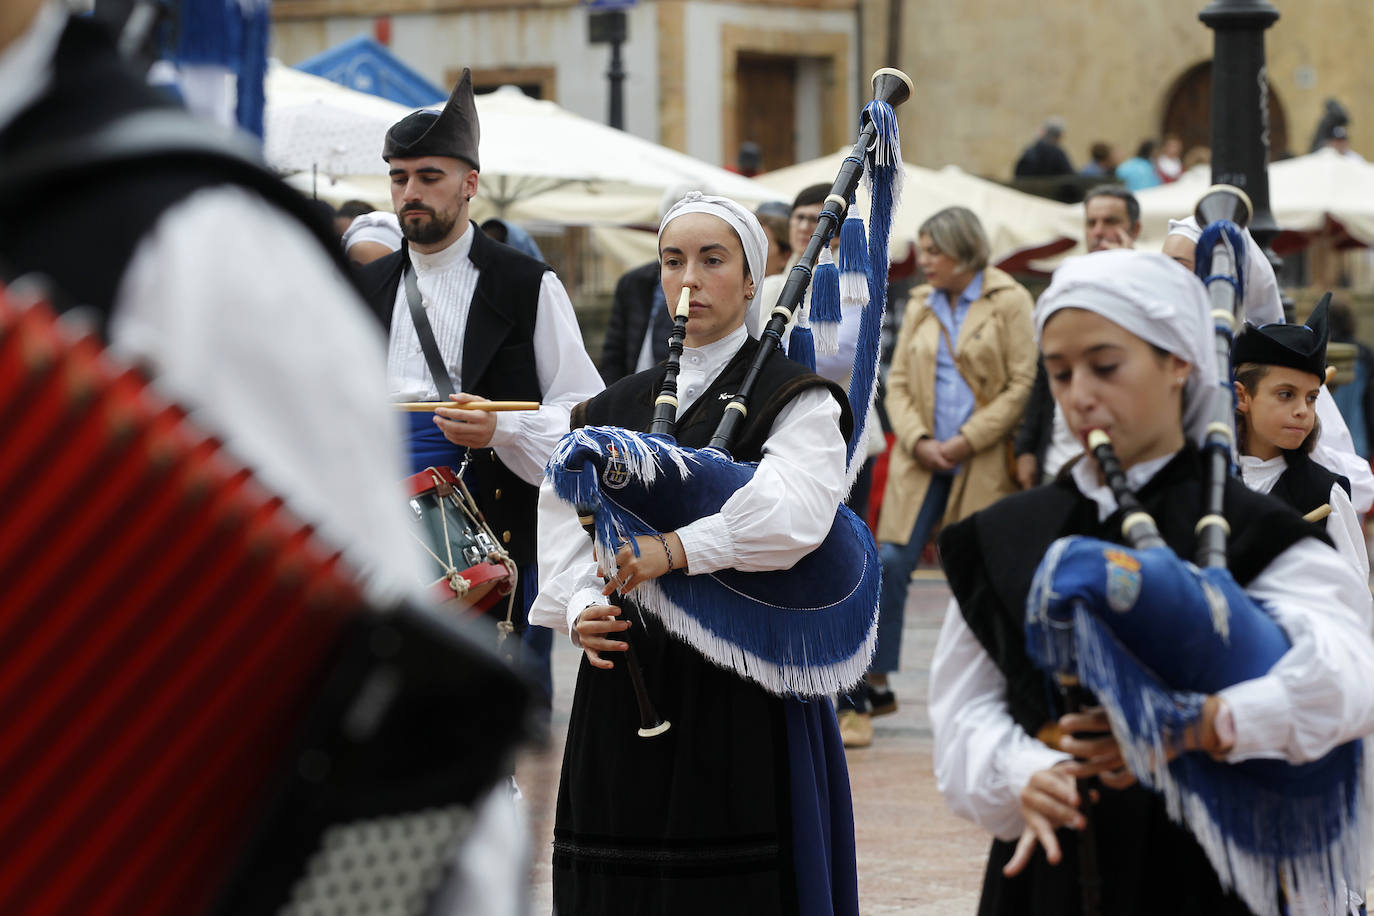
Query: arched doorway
[1188, 112]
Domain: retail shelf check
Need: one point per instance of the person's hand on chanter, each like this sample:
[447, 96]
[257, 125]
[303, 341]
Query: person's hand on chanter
[657, 555]
[594, 627]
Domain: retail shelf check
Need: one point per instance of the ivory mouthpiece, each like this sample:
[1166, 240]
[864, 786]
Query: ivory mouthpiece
[1097, 437]
[684, 304]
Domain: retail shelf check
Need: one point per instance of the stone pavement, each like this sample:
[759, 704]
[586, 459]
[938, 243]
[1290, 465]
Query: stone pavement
[915, 858]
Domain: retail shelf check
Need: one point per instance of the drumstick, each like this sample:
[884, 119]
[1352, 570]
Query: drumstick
[490, 406]
[1330, 374]
[1318, 513]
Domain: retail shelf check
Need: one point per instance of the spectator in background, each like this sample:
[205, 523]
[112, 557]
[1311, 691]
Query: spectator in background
[508, 233]
[371, 236]
[1169, 162]
[348, 211]
[1340, 142]
[1354, 397]
[1103, 161]
[1138, 172]
[749, 161]
[1044, 443]
[1111, 218]
[1045, 157]
[1196, 156]
[960, 376]
[775, 216]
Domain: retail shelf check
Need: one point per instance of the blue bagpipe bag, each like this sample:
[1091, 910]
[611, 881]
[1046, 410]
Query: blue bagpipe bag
[808, 631]
[1151, 636]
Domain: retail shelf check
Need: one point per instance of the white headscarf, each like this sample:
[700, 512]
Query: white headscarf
[377, 226]
[745, 224]
[1262, 303]
[1156, 299]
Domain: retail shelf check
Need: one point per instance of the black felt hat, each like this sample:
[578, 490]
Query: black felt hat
[1296, 346]
[452, 132]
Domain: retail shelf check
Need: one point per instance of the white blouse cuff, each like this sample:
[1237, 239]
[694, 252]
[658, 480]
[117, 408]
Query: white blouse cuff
[1262, 716]
[581, 600]
[707, 545]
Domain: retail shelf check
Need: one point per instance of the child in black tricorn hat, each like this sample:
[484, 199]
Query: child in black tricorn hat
[1278, 377]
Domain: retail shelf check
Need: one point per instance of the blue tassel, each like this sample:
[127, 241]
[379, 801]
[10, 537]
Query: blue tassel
[883, 177]
[1206, 245]
[853, 262]
[825, 314]
[209, 33]
[801, 348]
[252, 66]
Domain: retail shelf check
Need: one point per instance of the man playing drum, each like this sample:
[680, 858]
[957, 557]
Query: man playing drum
[499, 325]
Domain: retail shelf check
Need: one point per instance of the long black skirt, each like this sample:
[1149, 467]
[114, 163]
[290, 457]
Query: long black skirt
[743, 806]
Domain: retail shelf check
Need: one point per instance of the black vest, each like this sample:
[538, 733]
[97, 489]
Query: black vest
[991, 556]
[75, 211]
[498, 363]
[629, 403]
[1306, 485]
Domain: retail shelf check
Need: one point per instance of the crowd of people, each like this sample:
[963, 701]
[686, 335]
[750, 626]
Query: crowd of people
[990, 397]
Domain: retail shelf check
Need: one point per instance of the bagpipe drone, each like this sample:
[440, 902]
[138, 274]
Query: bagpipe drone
[1151, 636]
[808, 631]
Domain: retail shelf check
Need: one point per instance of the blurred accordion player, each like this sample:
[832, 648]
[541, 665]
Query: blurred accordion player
[201, 713]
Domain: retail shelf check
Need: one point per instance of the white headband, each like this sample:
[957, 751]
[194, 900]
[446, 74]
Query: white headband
[1156, 299]
[745, 224]
[377, 226]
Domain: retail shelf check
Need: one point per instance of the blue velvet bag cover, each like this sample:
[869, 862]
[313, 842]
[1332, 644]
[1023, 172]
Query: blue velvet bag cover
[808, 631]
[1152, 636]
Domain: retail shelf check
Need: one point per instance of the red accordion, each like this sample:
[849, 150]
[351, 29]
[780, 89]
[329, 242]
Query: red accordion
[192, 690]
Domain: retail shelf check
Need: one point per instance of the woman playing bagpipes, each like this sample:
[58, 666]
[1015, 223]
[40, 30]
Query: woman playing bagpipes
[743, 805]
[1127, 341]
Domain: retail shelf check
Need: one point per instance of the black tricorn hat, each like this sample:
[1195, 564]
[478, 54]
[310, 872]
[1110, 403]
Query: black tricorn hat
[454, 131]
[1296, 346]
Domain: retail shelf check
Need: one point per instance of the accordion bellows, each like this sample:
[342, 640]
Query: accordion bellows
[167, 634]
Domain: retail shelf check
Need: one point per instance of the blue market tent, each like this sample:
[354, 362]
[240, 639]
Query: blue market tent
[366, 66]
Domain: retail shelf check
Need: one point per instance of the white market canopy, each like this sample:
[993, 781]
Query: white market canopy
[1020, 227]
[539, 161]
[1306, 195]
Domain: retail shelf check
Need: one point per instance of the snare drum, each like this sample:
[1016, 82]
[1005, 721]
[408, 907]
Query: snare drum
[466, 567]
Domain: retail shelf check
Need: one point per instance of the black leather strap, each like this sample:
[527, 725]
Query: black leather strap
[427, 343]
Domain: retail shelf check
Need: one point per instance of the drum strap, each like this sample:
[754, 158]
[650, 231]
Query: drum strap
[427, 343]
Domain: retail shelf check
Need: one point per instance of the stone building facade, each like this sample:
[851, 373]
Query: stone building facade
[705, 75]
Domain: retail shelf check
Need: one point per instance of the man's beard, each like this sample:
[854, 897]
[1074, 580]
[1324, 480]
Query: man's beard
[424, 232]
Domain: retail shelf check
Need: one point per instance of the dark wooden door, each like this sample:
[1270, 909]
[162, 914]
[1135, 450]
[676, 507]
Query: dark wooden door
[1189, 113]
[766, 89]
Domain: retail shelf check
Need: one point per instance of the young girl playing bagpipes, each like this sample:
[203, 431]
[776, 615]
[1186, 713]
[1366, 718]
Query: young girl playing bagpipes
[743, 805]
[1128, 344]
[1279, 373]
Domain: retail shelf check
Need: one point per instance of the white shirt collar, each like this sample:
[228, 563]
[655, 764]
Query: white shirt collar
[1085, 476]
[445, 258]
[715, 355]
[26, 65]
[1262, 473]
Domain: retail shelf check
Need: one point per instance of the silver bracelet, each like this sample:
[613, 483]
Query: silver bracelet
[666, 551]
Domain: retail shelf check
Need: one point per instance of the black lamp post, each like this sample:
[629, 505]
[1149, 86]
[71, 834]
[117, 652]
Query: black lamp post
[1240, 105]
[608, 27]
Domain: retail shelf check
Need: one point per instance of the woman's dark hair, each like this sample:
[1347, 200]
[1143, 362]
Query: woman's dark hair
[1250, 375]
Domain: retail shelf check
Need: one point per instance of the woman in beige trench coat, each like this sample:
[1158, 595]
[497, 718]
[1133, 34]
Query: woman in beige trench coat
[961, 374]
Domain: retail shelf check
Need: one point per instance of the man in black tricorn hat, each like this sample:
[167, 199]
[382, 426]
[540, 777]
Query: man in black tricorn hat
[470, 320]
